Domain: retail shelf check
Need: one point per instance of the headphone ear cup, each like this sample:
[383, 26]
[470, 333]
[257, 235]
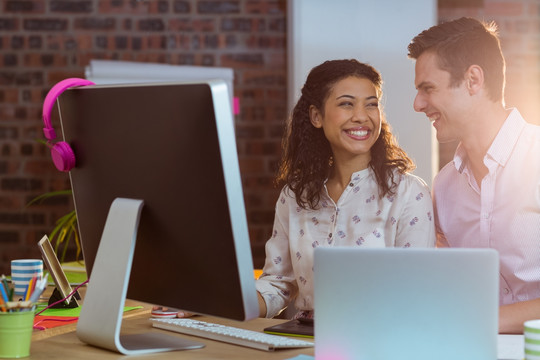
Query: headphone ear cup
[63, 156]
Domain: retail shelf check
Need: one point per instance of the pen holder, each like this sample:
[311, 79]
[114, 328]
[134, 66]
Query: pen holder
[56, 296]
[15, 333]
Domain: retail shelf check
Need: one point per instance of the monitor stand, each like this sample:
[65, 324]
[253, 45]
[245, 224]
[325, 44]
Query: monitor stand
[101, 314]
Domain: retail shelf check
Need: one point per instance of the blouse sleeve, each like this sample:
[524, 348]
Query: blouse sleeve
[416, 227]
[277, 284]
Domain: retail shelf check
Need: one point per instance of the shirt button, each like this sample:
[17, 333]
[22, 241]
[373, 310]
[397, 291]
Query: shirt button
[485, 216]
[330, 235]
[351, 184]
[506, 291]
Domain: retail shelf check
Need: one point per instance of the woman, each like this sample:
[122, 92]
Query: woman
[346, 183]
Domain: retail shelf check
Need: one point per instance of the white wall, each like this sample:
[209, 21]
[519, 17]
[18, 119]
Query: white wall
[375, 32]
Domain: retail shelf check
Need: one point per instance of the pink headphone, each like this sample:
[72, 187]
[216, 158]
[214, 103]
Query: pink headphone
[62, 154]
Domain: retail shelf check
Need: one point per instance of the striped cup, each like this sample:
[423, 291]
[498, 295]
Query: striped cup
[22, 271]
[531, 334]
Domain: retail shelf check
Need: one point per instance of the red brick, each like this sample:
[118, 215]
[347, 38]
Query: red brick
[251, 166]
[505, 8]
[59, 75]
[266, 7]
[124, 7]
[266, 42]
[10, 96]
[23, 7]
[85, 42]
[192, 25]
[37, 167]
[37, 59]
[11, 202]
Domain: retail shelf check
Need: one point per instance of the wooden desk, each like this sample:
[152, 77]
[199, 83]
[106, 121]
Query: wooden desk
[62, 342]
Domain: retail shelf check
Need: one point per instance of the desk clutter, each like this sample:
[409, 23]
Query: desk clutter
[26, 310]
[28, 298]
[17, 316]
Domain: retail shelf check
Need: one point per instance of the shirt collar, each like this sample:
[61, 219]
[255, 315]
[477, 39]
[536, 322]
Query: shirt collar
[358, 175]
[507, 138]
[460, 158]
[502, 145]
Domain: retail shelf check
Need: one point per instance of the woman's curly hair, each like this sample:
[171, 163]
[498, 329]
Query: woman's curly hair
[305, 163]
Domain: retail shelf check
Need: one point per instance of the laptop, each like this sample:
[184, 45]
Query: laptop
[421, 304]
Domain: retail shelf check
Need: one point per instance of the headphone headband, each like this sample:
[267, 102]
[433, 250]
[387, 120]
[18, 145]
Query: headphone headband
[50, 99]
[62, 154]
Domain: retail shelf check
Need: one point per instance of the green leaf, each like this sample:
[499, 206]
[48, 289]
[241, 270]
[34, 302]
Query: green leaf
[65, 228]
[39, 199]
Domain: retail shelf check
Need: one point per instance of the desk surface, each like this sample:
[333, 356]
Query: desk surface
[62, 342]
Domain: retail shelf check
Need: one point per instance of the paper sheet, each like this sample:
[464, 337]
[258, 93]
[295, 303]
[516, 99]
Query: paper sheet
[510, 347]
[121, 72]
[51, 318]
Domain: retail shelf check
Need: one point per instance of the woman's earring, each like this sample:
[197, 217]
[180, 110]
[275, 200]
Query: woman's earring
[331, 161]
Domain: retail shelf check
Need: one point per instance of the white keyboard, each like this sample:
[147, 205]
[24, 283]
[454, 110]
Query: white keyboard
[229, 334]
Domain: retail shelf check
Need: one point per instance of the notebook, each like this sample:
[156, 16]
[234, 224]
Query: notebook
[421, 304]
[297, 327]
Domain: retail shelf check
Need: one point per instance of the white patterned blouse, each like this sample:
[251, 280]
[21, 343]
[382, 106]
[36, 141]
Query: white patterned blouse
[360, 218]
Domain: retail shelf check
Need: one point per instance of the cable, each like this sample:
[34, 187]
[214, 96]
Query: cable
[55, 303]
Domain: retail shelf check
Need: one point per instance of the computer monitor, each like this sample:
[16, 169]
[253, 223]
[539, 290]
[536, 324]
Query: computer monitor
[166, 155]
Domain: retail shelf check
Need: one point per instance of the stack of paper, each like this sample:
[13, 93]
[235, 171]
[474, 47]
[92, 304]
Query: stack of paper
[121, 72]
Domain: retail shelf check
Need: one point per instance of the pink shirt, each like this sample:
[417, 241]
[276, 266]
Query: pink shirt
[504, 213]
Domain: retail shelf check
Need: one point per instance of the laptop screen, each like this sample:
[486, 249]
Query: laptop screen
[406, 303]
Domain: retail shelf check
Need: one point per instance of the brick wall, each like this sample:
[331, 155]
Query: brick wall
[45, 41]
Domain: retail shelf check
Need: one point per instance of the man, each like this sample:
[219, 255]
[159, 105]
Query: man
[489, 195]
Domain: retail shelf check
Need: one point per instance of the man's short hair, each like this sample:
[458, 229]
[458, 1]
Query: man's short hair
[460, 43]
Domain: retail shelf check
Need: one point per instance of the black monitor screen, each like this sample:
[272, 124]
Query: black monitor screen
[171, 145]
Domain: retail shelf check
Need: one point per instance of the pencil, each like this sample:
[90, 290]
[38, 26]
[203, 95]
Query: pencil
[2, 302]
[29, 289]
[34, 282]
[4, 296]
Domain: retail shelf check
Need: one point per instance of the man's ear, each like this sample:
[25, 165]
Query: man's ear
[315, 116]
[474, 79]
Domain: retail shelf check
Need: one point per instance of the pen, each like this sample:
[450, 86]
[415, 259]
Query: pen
[8, 290]
[40, 286]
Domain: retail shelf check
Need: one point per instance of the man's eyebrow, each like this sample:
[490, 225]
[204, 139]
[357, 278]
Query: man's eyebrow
[422, 85]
